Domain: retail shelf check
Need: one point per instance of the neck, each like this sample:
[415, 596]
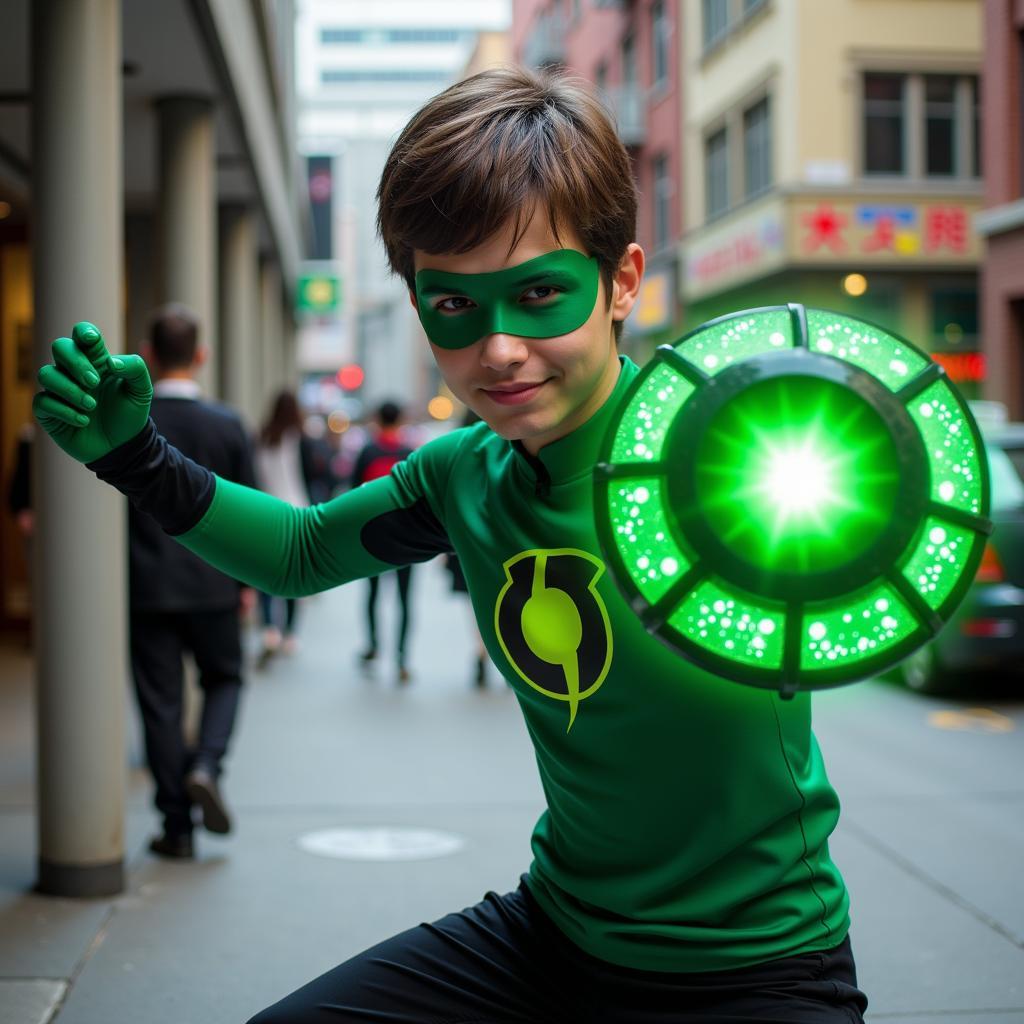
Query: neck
[186, 374]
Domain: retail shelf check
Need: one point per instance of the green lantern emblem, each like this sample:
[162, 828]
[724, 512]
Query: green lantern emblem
[792, 498]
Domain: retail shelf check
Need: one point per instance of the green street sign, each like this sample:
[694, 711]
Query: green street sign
[319, 294]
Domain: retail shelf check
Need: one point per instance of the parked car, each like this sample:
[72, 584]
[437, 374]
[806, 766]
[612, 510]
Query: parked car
[986, 633]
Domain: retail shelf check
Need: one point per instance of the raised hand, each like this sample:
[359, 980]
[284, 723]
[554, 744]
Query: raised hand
[91, 401]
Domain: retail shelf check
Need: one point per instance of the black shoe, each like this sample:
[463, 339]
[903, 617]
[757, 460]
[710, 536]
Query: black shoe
[368, 655]
[174, 847]
[480, 679]
[202, 789]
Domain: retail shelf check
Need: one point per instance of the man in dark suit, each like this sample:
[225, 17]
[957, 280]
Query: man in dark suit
[180, 604]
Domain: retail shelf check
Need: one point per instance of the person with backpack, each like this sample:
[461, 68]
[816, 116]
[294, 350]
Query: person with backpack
[377, 458]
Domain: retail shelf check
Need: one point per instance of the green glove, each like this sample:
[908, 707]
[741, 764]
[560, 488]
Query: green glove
[91, 401]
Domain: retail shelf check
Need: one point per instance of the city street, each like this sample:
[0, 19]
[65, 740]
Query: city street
[931, 839]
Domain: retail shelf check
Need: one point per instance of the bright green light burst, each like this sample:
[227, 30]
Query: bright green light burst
[799, 480]
[797, 474]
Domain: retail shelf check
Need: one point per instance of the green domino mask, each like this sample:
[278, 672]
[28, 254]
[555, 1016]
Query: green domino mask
[497, 304]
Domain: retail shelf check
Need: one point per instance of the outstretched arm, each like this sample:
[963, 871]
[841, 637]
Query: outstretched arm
[250, 535]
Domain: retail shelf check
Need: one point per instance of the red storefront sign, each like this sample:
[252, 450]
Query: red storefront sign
[962, 366]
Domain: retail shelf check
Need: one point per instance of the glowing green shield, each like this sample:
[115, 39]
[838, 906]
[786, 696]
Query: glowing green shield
[792, 498]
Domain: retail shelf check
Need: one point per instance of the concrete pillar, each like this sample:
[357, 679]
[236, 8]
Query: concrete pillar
[188, 217]
[239, 308]
[80, 554]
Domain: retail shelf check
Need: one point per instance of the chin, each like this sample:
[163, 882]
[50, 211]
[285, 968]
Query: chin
[513, 430]
[509, 431]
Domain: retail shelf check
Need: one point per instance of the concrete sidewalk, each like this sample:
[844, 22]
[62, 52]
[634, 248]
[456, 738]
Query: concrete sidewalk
[319, 747]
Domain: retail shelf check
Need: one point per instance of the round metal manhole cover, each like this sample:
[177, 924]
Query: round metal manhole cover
[381, 844]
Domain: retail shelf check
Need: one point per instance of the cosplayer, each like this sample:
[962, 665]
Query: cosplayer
[681, 870]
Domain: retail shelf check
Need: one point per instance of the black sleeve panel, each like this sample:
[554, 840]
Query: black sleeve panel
[405, 535]
[158, 479]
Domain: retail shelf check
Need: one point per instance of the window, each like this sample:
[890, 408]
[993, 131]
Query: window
[954, 319]
[883, 124]
[976, 123]
[660, 29]
[341, 35]
[757, 148]
[922, 125]
[336, 76]
[629, 61]
[390, 35]
[662, 220]
[940, 124]
[716, 173]
[716, 21]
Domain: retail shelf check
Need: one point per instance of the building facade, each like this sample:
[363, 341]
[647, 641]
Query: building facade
[363, 70]
[1002, 221]
[630, 52]
[833, 157]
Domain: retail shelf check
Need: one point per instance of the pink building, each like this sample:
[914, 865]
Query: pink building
[1002, 303]
[630, 52]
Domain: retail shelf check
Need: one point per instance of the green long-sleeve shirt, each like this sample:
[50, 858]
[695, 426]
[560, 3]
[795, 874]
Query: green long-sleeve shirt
[687, 817]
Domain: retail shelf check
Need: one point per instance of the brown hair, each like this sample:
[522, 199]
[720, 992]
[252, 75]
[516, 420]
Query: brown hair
[174, 336]
[285, 415]
[493, 147]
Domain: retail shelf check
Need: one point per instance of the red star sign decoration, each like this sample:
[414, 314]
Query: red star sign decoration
[825, 227]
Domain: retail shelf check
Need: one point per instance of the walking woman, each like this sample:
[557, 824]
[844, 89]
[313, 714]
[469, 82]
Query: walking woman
[279, 471]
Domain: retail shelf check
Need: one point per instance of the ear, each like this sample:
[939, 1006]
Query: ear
[202, 354]
[626, 281]
[412, 301]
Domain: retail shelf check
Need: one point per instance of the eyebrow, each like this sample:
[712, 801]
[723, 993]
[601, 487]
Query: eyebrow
[541, 277]
[537, 277]
[440, 289]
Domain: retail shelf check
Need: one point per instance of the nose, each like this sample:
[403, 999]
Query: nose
[501, 351]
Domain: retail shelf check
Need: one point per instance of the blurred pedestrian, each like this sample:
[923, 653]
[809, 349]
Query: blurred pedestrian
[385, 449]
[280, 471]
[317, 459]
[180, 604]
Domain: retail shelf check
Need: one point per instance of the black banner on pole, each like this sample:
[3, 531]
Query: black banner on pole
[320, 179]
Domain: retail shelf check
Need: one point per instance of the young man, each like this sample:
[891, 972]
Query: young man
[681, 870]
[180, 604]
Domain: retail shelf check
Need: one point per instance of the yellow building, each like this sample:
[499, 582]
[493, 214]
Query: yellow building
[831, 157]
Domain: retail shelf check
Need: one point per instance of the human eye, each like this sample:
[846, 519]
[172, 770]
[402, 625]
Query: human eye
[453, 304]
[540, 294]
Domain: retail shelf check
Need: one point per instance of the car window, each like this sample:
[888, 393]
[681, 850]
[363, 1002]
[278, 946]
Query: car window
[1007, 469]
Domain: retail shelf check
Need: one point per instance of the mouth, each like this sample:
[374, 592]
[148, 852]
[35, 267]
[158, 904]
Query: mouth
[513, 394]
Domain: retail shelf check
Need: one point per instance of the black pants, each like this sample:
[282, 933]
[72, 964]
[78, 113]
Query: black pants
[504, 962]
[268, 607]
[158, 642]
[402, 577]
